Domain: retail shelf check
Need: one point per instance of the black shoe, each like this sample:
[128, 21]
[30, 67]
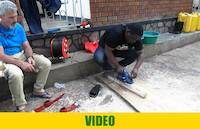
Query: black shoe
[95, 91]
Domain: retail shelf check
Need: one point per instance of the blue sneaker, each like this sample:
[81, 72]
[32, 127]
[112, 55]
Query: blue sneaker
[125, 77]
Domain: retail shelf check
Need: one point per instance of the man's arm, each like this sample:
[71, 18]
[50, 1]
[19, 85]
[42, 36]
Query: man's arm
[29, 53]
[10, 60]
[111, 58]
[139, 62]
[27, 49]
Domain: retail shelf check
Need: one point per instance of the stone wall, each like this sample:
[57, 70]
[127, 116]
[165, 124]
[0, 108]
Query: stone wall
[43, 46]
[160, 26]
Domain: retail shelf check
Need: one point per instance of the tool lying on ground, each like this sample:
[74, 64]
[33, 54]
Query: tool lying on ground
[125, 77]
[95, 91]
[70, 107]
[48, 103]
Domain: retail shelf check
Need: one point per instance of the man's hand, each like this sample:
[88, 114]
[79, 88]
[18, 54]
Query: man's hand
[27, 67]
[31, 61]
[134, 73]
[119, 68]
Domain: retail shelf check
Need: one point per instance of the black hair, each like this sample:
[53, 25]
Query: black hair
[135, 29]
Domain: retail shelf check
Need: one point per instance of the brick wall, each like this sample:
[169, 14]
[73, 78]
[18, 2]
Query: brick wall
[104, 12]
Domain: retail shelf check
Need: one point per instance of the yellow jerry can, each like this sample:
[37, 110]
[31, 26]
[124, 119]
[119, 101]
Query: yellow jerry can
[198, 21]
[187, 23]
[194, 22]
[182, 16]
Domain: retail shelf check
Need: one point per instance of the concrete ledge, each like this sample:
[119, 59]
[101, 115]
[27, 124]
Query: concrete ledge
[81, 63]
[168, 41]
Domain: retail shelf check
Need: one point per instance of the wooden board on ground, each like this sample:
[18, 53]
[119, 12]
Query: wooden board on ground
[135, 90]
[148, 104]
[119, 90]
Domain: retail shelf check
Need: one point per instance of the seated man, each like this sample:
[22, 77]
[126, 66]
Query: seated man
[121, 41]
[17, 56]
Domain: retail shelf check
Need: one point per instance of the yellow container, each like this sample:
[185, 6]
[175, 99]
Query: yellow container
[198, 21]
[186, 19]
[194, 23]
[187, 23]
[182, 16]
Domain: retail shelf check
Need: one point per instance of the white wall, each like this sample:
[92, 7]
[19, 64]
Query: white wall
[77, 11]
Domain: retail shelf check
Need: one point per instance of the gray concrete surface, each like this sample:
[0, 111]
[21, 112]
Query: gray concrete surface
[171, 80]
[77, 91]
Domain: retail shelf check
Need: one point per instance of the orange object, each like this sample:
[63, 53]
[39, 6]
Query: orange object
[84, 23]
[48, 103]
[70, 107]
[91, 46]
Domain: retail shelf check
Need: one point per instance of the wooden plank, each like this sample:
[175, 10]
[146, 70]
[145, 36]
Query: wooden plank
[124, 94]
[149, 104]
[135, 90]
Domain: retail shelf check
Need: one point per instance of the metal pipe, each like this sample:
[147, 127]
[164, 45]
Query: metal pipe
[74, 12]
[67, 20]
[81, 10]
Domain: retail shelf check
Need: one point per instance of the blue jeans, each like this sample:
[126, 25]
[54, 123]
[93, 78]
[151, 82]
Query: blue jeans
[32, 16]
[128, 56]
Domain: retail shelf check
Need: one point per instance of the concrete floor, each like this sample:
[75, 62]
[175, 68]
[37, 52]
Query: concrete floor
[78, 91]
[171, 80]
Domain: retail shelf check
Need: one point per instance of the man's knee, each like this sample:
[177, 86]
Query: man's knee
[47, 63]
[14, 72]
[17, 76]
[42, 61]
